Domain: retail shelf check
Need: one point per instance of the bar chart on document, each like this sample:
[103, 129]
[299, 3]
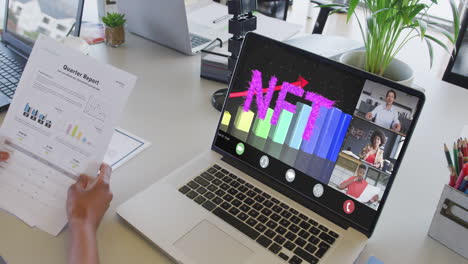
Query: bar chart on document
[68, 119]
[58, 126]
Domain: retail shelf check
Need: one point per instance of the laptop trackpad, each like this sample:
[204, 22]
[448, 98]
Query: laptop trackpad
[206, 244]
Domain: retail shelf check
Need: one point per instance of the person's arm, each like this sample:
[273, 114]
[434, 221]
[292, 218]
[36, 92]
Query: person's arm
[396, 123]
[397, 127]
[372, 114]
[83, 246]
[378, 163]
[346, 183]
[364, 152]
[88, 200]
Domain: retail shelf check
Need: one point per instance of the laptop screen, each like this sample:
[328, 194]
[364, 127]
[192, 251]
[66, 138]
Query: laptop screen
[26, 19]
[328, 133]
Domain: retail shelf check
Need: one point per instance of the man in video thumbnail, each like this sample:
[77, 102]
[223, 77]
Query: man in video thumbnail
[357, 184]
[385, 115]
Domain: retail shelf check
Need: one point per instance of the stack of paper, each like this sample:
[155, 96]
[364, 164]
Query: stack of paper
[123, 147]
[58, 126]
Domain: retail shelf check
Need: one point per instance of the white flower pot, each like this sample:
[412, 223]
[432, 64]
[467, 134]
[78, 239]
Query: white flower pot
[397, 71]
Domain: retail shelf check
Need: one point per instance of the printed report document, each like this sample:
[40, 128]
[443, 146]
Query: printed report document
[58, 126]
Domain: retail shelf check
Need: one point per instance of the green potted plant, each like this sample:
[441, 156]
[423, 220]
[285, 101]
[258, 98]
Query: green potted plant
[115, 34]
[389, 25]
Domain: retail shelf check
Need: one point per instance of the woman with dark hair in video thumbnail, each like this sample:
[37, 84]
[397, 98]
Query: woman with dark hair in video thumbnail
[372, 152]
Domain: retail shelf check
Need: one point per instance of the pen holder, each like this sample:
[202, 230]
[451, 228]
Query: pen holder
[450, 222]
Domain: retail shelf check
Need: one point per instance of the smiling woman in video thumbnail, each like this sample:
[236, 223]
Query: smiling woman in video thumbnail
[372, 152]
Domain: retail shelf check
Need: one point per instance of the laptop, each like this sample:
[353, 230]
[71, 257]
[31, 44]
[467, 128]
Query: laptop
[165, 22]
[295, 174]
[24, 20]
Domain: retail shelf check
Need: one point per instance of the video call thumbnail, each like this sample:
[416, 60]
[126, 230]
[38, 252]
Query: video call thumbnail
[387, 108]
[373, 143]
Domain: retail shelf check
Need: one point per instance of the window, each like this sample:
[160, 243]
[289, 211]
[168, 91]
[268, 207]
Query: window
[61, 27]
[43, 31]
[45, 20]
[18, 10]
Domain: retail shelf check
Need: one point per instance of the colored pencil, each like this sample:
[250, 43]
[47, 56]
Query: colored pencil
[455, 158]
[465, 148]
[461, 176]
[460, 147]
[460, 160]
[447, 156]
[452, 177]
[452, 180]
[463, 184]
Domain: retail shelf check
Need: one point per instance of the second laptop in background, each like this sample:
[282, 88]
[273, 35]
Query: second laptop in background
[165, 22]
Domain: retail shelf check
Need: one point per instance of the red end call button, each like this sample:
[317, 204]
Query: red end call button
[348, 207]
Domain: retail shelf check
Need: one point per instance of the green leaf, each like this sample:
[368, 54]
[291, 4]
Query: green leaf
[445, 32]
[351, 8]
[114, 19]
[456, 20]
[371, 22]
[440, 43]
[416, 10]
[337, 10]
[383, 10]
[422, 26]
[431, 52]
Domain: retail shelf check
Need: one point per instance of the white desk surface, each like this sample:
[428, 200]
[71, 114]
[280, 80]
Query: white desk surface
[170, 107]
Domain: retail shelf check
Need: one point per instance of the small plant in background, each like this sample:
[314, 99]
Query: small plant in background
[390, 24]
[115, 33]
[114, 20]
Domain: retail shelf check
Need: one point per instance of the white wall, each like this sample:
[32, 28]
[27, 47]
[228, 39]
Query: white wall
[90, 10]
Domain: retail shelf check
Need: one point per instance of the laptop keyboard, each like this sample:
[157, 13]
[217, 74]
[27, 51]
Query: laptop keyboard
[10, 74]
[197, 40]
[284, 231]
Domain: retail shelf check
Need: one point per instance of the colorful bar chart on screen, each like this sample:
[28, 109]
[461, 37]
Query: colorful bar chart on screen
[260, 130]
[326, 133]
[35, 115]
[294, 137]
[242, 124]
[278, 133]
[285, 140]
[339, 136]
[305, 156]
[327, 143]
[225, 121]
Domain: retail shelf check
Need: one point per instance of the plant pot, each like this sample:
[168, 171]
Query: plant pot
[397, 70]
[115, 36]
